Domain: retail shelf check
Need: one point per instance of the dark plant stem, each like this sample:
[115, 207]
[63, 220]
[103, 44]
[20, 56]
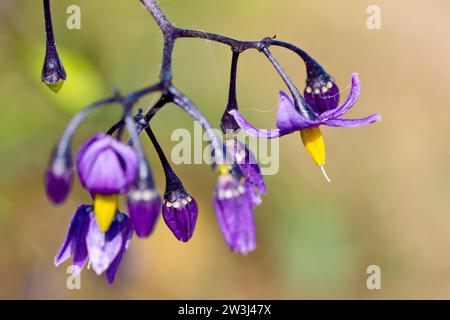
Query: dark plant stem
[66, 138]
[300, 103]
[236, 45]
[313, 68]
[227, 122]
[172, 180]
[168, 31]
[144, 173]
[48, 24]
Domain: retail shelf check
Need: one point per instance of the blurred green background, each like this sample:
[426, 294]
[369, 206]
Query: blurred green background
[389, 201]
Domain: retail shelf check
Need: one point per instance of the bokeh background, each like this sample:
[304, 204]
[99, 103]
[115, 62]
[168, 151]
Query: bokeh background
[388, 205]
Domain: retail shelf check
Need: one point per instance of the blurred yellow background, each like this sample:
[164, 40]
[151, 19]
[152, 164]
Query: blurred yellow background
[388, 205]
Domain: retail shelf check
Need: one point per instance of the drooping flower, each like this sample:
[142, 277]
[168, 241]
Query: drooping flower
[234, 210]
[85, 241]
[59, 177]
[253, 178]
[106, 168]
[180, 210]
[290, 120]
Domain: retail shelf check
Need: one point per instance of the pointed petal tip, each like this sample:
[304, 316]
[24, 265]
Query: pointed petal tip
[322, 168]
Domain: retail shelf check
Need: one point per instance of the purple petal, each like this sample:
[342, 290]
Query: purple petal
[352, 122]
[129, 159]
[58, 185]
[89, 152]
[348, 103]
[102, 252]
[81, 253]
[234, 211]
[288, 118]
[127, 233]
[182, 219]
[106, 166]
[143, 207]
[322, 101]
[73, 241]
[105, 176]
[251, 130]
[254, 181]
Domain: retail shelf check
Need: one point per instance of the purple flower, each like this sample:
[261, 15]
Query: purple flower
[106, 166]
[253, 179]
[85, 241]
[144, 205]
[59, 177]
[180, 213]
[234, 211]
[290, 120]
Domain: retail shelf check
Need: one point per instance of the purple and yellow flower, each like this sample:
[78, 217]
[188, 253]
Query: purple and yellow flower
[106, 168]
[290, 120]
[234, 210]
[85, 241]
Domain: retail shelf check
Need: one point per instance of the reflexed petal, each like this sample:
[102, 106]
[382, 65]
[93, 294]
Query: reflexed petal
[288, 118]
[127, 233]
[74, 242]
[348, 103]
[352, 122]
[102, 251]
[251, 130]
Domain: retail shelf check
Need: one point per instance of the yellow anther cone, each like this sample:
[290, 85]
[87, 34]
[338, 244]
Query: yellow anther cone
[223, 169]
[313, 141]
[105, 207]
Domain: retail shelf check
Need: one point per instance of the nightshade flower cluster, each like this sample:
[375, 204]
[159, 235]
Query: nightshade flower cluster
[111, 167]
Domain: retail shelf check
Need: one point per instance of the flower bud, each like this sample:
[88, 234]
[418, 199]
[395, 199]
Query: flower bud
[180, 213]
[59, 177]
[144, 204]
[53, 73]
